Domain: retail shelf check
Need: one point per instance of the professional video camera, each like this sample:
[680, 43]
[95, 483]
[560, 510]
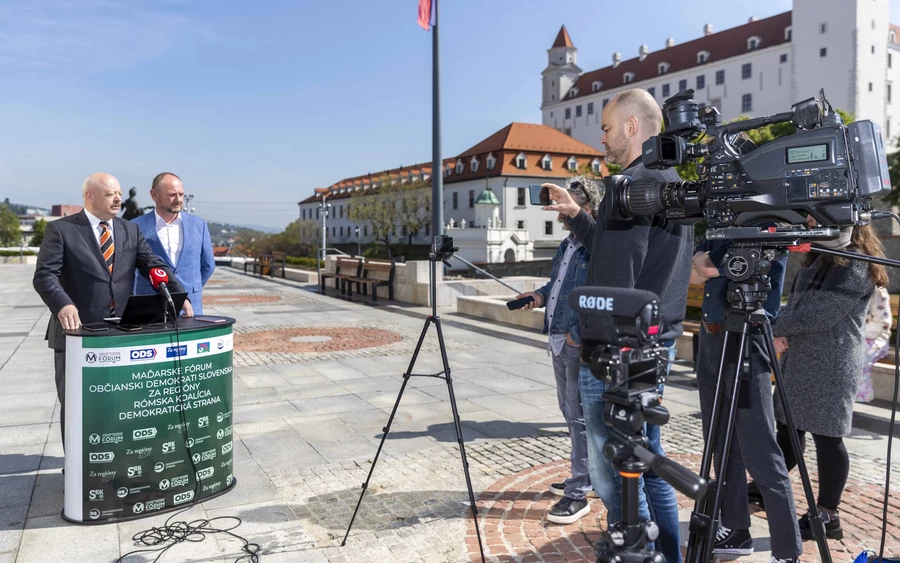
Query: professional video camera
[826, 169]
[619, 332]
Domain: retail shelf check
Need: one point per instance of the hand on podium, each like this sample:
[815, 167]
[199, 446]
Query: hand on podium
[68, 318]
[187, 310]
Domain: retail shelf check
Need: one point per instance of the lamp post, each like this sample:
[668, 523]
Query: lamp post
[323, 210]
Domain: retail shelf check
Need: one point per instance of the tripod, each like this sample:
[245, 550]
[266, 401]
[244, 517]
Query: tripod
[744, 318]
[438, 254]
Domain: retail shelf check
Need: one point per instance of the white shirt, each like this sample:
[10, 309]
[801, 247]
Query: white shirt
[170, 236]
[95, 226]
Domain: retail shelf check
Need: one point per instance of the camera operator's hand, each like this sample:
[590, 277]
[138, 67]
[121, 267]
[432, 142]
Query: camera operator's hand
[702, 269]
[564, 202]
[781, 344]
[538, 300]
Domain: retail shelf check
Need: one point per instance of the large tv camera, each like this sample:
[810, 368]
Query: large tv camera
[826, 169]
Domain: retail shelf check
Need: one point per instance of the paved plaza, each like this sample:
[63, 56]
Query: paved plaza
[314, 382]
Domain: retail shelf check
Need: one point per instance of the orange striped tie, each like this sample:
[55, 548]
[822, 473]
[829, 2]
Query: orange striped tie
[107, 248]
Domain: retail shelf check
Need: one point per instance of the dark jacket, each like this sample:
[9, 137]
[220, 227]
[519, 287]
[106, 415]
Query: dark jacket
[564, 317]
[646, 253]
[71, 271]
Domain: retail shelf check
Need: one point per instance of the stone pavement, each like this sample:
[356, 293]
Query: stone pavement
[315, 380]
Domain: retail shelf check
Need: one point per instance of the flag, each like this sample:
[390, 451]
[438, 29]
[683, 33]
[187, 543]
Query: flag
[425, 14]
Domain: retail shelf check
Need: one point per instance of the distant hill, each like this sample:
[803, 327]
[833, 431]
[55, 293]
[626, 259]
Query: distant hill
[221, 233]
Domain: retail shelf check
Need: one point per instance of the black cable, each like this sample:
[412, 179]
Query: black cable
[887, 478]
[171, 533]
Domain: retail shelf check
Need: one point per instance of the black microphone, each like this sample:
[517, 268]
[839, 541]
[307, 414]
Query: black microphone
[158, 279]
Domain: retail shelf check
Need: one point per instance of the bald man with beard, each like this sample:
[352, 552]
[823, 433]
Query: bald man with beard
[86, 268]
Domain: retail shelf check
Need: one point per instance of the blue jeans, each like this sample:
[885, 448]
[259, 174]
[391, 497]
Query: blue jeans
[566, 368]
[663, 504]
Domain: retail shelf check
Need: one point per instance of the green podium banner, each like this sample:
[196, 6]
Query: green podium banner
[148, 421]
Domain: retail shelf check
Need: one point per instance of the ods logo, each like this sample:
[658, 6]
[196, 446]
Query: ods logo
[184, 497]
[144, 434]
[94, 514]
[227, 448]
[101, 457]
[205, 473]
[159, 467]
[143, 354]
[122, 492]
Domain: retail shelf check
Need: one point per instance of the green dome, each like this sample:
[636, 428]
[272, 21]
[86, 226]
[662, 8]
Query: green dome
[487, 197]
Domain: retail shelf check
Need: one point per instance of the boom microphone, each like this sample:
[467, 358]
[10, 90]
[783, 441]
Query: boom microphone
[159, 279]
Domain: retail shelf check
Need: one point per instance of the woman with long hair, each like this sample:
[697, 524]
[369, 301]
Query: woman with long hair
[820, 335]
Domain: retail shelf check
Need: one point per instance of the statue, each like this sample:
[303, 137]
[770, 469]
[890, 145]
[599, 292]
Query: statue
[497, 223]
[490, 223]
[462, 224]
[132, 209]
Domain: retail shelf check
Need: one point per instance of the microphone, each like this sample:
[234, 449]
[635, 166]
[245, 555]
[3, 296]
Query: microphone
[158, 279]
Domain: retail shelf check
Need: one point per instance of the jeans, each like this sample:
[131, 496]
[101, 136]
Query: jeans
[753, 449]
[656, 497]
[566, 367]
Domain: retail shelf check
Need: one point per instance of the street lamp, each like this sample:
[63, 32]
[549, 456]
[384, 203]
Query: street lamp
[323, 210]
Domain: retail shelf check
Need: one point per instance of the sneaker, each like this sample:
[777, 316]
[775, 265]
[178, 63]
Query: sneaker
[754, 496]
[733, 542]
[559, 489]
[832, 526]
[568, 510]
[789, 560]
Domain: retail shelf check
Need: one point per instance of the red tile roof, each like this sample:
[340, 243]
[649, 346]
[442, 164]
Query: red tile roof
[896, 30]
[505, 145]
[723, 45]
[563, 39]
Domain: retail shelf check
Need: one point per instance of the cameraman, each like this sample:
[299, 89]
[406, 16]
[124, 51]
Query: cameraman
[569, 272]
[753, 448]
[648, 253]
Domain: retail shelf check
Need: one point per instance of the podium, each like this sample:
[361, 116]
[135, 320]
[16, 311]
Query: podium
[148, 419]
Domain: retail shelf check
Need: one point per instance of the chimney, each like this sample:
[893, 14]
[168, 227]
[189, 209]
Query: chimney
[617, 58]
[752, 19]
[707, 29]
[670, 42]
[643, 51]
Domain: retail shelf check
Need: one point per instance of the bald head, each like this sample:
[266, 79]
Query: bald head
[102, 195]
[629, 119]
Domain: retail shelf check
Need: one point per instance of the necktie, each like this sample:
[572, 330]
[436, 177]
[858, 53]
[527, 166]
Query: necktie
[107, 248]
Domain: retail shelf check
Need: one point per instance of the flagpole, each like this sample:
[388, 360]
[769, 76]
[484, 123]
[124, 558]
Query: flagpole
[437, 167]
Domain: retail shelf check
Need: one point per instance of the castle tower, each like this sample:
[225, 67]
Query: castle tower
[561, 72]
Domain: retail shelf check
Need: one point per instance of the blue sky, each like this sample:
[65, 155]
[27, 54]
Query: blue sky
[254, 104]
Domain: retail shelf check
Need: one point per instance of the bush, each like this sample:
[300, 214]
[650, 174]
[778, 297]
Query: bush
[17, 253]
[304, 261]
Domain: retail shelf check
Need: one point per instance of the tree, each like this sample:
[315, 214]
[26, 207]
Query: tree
[39, 227]
[413, 204]
[10, 233]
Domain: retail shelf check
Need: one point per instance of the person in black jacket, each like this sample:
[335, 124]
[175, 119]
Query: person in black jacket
[86, 267]
[646, 253]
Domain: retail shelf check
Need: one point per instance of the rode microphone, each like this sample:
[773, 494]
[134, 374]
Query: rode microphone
[159, 280]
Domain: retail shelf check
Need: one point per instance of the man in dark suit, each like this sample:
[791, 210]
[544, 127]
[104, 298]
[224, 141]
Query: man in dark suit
[86, 268]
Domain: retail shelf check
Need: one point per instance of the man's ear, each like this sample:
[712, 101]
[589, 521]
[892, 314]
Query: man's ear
[632, 126]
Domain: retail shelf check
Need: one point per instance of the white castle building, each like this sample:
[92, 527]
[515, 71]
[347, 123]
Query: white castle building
[487, 208]
[762, 67]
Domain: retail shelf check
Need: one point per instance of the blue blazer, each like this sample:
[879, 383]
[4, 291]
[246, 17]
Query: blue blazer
[196, 262]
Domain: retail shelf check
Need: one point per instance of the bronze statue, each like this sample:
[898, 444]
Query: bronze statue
[132, 209]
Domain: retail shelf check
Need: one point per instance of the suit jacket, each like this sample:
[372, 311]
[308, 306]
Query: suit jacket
[71, 271]
[196, 262]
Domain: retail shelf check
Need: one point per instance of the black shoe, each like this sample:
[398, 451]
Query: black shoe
[789, 560]
[733, 542]
[754, 496]
[568, 510]
[832, 526]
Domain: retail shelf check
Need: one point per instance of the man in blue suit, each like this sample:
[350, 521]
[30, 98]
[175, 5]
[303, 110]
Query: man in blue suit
[181, 240]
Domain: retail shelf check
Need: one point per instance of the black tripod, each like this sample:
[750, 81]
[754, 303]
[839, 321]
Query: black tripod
[747, 293]
[442, 250]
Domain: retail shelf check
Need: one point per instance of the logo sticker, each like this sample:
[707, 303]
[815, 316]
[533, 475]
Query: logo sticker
[94, 439]
[138, 508]
[159, 467]
[101, 457]
[140, 354]
[122, 492]
[220, 344]
[203, 422]
[95, 494]
[176, 351]
[90, 358]
[135, 471]
[184, 497]
[94, 514]
[155, 504]
[144, 434]
[164, 485]
[205, 473]
[168, 447]
[202, 347]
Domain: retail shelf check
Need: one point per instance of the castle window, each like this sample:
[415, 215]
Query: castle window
[595, 87]
[702, 57]
[753, 43]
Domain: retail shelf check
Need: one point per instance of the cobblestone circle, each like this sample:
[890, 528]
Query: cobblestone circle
[238, 299]
[291, 340]
[284, 353]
